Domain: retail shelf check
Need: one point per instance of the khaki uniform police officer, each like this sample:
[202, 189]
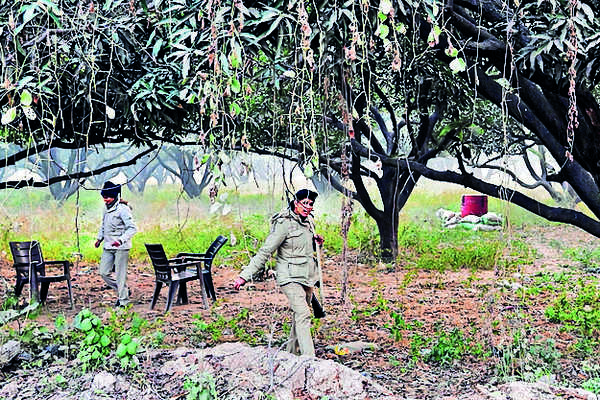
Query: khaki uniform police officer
[292, 236]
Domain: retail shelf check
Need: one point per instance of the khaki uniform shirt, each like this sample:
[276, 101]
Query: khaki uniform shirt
[292, 239]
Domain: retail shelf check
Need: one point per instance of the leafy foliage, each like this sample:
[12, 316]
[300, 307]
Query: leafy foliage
[214, 330]
[527, 358]
[201, 387]
[579, 312]
[99, 340]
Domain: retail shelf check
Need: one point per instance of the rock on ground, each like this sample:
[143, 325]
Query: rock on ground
[8, 351]
[247, 371]
[238, 371]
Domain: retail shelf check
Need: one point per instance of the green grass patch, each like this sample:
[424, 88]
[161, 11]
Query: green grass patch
[434, 248]
[165, 215]
[214, 328]
[423, 204]
[578, 309]
[527, 358]
[588, 259]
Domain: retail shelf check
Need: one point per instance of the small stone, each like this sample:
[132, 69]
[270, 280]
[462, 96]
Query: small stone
[104, 381]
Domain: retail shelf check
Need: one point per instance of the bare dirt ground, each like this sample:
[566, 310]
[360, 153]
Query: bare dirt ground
[468, 300]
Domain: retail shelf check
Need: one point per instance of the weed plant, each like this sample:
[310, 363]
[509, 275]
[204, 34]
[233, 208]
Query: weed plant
[591, 368]
[377, 305]
[201, 387]
[213, 331]
[592, 385]
[544, 283]
[527, 358]
[99, 341]
[399, 326]
[588, 259]
[578, 309]
[110, 344]
[450, 346]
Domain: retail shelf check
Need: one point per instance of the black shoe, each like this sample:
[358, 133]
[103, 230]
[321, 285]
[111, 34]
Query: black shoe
[118, 303]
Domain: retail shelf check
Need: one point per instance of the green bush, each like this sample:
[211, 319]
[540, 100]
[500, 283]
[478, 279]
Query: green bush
[99, 341]
[579, 311]
[448, 347]
[201, 387]
[527, 358]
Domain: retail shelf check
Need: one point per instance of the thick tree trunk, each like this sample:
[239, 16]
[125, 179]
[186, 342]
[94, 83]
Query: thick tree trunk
[394, 192]
[388, 236]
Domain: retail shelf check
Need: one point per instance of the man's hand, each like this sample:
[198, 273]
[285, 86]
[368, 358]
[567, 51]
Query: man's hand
[319, 240]
[116, 243]
[239, 282]
[97, 244]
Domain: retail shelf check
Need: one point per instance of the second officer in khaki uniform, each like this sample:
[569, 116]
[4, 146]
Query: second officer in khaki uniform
[293, 237]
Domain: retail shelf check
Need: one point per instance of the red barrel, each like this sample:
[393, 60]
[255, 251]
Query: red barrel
[473, 204]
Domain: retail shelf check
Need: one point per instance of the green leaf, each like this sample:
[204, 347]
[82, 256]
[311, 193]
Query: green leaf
[204, 395]
[132, 348]
[60, 322]
[458, 65]
[235, 109]
[400, 27]
[30, 12]
[90, 338]
[59, 379]
[26, 98]
[86, 325]
[156, 47]
[121, 350]
[235, 86]
[451, 52]
[431, 38]
[308, 171]
[126, 339]
[104, 341]
[96, 355]
[383, 31]
[235, 60]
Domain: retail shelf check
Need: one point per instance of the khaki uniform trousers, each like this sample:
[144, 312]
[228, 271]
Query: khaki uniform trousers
[119, 259]
[300, 341]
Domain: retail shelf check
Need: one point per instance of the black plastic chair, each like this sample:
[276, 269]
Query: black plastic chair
[174, 273]
[207, 258]
[27, 257]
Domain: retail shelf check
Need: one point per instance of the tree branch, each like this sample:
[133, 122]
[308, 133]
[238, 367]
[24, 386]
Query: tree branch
[556, 214]
[79, 175]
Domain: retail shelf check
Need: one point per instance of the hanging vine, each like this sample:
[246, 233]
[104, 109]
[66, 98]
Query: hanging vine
[572, 51]
[345, 223]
